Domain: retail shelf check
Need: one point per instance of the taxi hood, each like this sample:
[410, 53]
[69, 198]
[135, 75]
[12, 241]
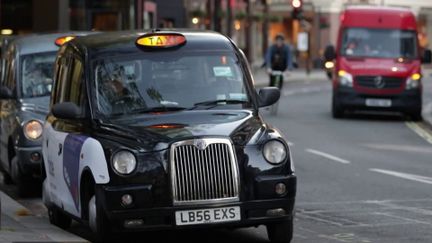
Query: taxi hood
[153, 132]
[379, 66]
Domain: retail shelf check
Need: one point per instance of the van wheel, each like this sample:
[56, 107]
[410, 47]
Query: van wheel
[416, 116]
[337, 110]
[281, 232]
[98, 221]
[58, 218]
[24, 183]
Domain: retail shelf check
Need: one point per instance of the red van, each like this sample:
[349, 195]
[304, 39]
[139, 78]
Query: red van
[378, 62]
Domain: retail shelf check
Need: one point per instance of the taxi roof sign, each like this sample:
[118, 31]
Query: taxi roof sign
[62, 40]
[161, 40]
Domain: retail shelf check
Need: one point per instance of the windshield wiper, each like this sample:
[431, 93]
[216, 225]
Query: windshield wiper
[213, 103]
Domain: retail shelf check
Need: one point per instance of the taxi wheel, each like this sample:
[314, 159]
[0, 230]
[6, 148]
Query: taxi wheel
[281, 232]
[25, 184]
[98, 221]
[7, 179]
[58, 218]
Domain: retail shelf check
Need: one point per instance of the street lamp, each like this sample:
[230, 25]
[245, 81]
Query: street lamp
[195, 20]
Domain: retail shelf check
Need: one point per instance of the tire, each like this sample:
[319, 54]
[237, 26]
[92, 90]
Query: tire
[416, 116]
[58, 218]
[337, 110]
[7, 179]
[281, 232]
[25, 184]
[98, 221]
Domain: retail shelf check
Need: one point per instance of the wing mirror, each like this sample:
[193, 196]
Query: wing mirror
[268, 96]
[67, 110]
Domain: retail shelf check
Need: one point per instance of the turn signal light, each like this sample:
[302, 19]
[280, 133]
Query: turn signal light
[62, 40]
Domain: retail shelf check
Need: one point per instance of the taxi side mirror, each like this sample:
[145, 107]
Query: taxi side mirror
[67, 110]
[427, 56]
[6, 93]
[268, 96]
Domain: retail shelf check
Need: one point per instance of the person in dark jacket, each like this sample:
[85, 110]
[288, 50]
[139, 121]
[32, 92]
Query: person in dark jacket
[279, 57]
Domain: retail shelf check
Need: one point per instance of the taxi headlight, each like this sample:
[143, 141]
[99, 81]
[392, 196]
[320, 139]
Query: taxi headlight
[33, 129]
[124, 162]
[275, 152]
[345, 78]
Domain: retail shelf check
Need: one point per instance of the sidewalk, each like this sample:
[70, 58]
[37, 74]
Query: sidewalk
[17, 224]
[427, 107]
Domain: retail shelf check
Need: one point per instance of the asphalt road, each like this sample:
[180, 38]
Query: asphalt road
[364, 178]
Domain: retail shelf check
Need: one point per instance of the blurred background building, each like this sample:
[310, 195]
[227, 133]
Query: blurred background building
[252, 24]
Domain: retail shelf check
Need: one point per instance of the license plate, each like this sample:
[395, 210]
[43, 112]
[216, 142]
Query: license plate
[207, 216]
[379, 102]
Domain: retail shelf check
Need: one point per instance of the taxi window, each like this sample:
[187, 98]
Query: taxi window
[127, 84]
[36, 74]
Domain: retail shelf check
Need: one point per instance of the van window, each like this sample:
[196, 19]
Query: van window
[36, 74]
[379, 43]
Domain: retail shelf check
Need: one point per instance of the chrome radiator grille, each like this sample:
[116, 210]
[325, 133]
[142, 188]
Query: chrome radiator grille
[204, 171]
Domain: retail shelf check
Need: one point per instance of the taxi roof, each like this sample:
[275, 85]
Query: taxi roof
[40, 42]
[124, 41]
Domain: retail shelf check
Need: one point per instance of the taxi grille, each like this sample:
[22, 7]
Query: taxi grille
[386, 82]
[204, 171]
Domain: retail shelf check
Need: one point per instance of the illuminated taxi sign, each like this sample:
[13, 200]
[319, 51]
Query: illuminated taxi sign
[62, 40]
[155, 41]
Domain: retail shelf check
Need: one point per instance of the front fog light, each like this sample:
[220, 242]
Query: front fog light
[126, 200]
[275, 152]
[280, 189]
[124, 162]
[33, 129]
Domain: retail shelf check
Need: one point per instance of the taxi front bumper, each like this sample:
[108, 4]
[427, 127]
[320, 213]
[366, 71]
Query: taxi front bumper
[264, 210]
[29, 159]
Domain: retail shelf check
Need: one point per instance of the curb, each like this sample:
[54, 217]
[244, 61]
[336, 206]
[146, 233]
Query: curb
[19, 225]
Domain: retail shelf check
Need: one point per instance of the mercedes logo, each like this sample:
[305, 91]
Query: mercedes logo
[379, 82]
[200, 144]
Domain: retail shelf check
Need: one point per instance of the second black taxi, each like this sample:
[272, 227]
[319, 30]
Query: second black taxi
[160, 130]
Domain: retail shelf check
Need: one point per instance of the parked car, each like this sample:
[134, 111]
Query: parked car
[161, 130]
[24, 98]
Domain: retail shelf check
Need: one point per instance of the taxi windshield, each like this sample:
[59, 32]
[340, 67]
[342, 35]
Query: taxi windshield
[36, 74]
[379, 43]
[167, 81]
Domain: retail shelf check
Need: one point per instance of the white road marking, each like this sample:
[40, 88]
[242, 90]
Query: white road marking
[420, 131]
[401, 148]
[412, 177]
[328, 156]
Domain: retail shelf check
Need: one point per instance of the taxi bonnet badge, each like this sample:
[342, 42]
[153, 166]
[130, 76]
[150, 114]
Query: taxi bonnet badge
[200, 144]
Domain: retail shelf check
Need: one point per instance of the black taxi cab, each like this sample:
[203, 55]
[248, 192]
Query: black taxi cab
[161, 130]
[25, 90]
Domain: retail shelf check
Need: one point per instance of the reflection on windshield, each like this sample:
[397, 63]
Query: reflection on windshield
[37, 73]
[381, 43]
[168, 82]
